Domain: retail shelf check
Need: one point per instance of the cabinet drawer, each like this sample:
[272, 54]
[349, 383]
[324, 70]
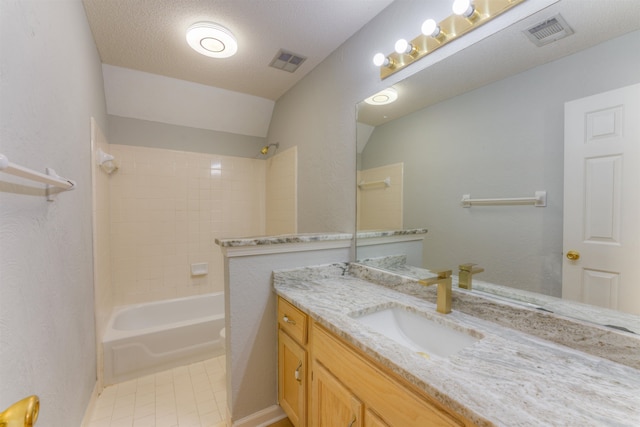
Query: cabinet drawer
[292, 321]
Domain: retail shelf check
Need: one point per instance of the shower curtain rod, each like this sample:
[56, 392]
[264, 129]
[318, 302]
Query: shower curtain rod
[50, 178]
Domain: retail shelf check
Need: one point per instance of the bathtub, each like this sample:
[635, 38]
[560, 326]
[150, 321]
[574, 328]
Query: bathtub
[145, 338]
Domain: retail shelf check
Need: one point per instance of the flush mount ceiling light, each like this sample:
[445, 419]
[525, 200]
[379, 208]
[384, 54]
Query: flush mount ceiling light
[385, 96]
[467, 16]
[212, 40]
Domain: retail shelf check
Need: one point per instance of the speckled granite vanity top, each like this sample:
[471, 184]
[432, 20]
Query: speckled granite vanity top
[282, 239]
[507, 378]
[388, 233]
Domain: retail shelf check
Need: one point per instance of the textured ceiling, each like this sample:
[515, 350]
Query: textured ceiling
[149, 35]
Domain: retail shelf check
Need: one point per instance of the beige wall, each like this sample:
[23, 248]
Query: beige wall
[51, 86]
[145, 133]
[167, 207]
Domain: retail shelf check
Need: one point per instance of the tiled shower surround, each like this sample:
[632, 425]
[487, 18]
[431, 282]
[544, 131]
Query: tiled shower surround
[166, 209]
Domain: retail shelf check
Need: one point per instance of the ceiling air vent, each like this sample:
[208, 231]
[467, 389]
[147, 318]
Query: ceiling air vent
[287, 61]
[550, 30]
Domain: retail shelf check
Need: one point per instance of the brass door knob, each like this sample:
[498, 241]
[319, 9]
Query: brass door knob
[573, 255]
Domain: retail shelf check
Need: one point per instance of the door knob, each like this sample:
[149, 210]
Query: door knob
[573, 255]
[23, 413]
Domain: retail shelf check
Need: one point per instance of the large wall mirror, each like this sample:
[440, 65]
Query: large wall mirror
[489, 121]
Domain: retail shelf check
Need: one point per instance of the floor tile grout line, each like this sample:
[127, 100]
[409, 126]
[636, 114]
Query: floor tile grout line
[131, 401]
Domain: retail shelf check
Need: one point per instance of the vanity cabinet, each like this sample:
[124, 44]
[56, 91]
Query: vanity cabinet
[350, 390]
[346, 388]
[292, 362]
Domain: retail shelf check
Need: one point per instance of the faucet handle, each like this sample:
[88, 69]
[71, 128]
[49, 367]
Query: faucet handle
[469, 268]
[440, 276]
[464, 276]
[442, 273]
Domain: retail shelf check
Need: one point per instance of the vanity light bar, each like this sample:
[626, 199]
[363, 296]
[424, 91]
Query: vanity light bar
[449, 29]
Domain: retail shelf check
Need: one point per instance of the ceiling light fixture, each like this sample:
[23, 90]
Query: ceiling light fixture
[467, 15]
[385, 96]
[212, 40]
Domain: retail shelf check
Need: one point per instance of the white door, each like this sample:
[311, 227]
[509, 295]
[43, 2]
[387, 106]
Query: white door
[602, 200]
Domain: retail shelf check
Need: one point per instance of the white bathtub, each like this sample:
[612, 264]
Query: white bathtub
[145, 338]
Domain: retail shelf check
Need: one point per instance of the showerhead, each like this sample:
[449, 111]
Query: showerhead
[265, 149]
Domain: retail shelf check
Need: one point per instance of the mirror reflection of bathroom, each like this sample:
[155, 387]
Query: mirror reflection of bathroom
[496, 133]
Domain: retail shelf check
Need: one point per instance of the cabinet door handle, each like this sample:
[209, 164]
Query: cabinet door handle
[296, 374]
[352, 421]
[286, 319]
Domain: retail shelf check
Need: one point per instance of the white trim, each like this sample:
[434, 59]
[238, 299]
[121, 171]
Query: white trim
[262, 418]
[237, 251]
[88, 413]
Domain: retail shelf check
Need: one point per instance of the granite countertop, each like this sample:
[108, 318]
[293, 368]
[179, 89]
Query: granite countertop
[507, 378]
[282, 239]
[367, 234]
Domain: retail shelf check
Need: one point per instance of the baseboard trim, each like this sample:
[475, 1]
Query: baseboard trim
[263, 418]
[88, 412]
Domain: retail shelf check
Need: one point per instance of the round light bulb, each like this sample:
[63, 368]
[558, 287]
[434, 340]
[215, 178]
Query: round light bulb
[379, 59]
[463, 7]
[403, 46]
[430, 28]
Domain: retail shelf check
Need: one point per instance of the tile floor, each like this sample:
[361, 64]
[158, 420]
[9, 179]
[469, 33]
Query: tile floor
[188, 396]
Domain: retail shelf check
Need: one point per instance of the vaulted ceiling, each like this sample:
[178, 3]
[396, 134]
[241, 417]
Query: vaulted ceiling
[149, 36]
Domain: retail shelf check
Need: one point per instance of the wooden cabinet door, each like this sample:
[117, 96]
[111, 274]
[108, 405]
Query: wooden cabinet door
[332, 404]
[373, 420]
[292, 383]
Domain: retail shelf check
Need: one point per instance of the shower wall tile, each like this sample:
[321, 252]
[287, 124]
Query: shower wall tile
[380, 207]
[166, 209]
[282, 191]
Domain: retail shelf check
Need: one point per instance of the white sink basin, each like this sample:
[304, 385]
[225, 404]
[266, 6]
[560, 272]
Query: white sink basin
[417, 332]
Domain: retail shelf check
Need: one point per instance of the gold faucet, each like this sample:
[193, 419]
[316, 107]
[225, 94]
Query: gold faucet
[465, 274]
[443, 280]
[23, 413]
